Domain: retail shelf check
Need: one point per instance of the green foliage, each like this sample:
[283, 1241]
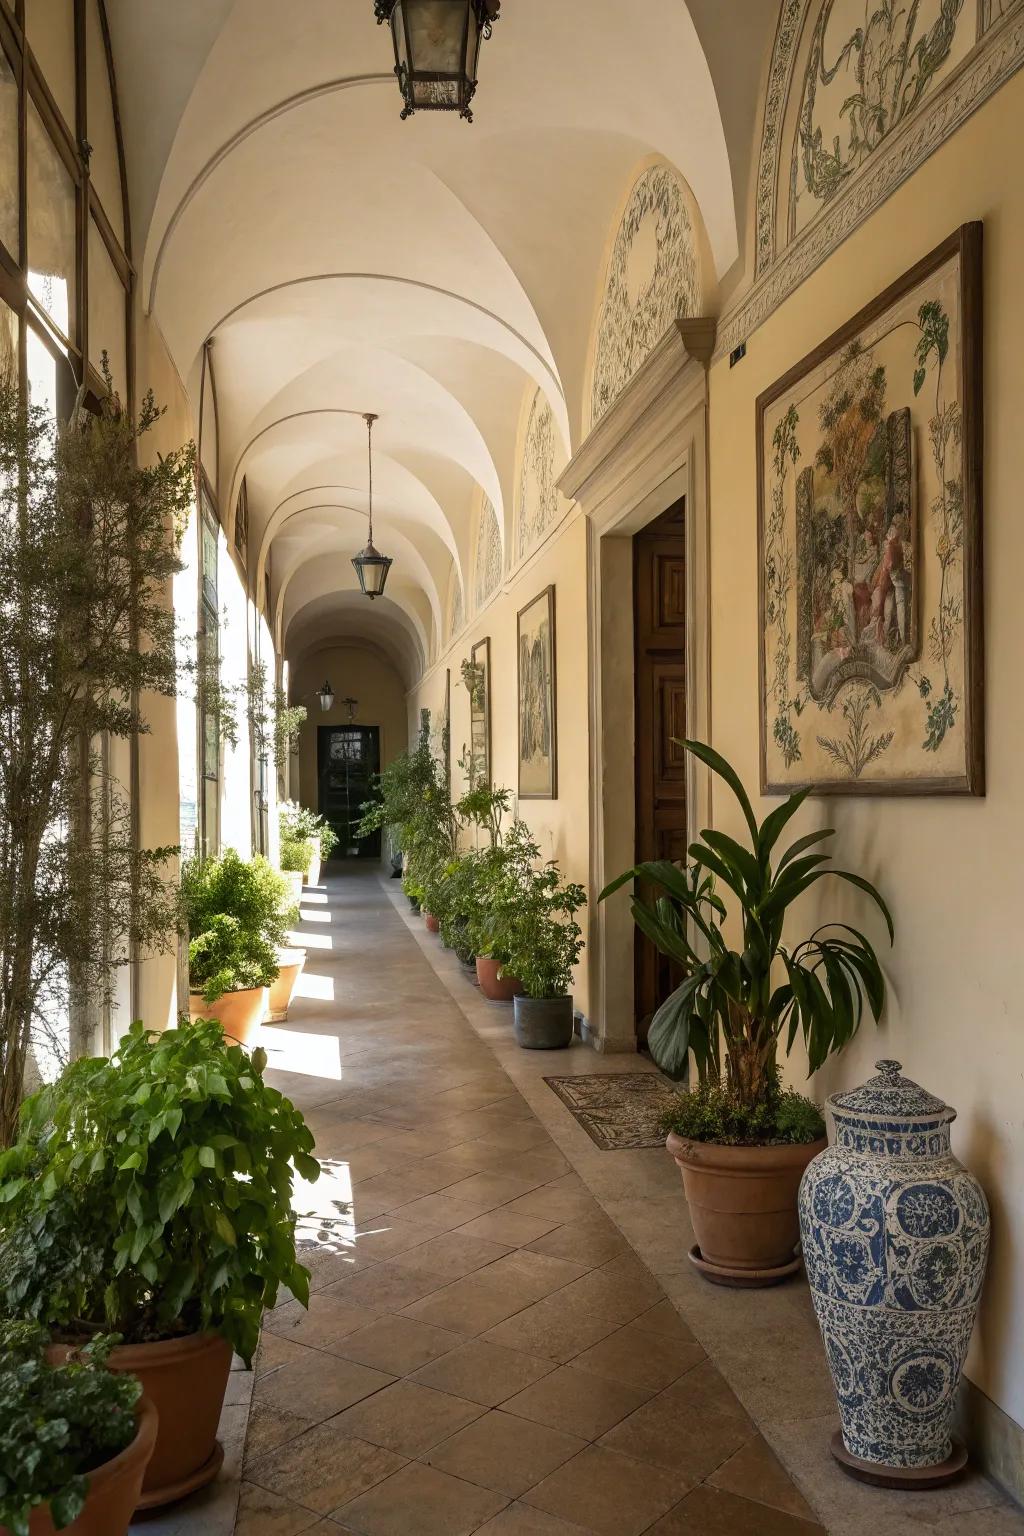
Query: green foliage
[89, 539]
[531, 915]
[740, 996]
[57, 1424]
[412, 800]
[300, 824]
[237, 914]
[288, 722]
[296, 853]
[173, 1163]
[712, 1112]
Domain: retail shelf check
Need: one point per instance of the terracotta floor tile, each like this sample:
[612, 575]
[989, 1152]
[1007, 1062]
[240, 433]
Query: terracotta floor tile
[618, 1294]
[387, 1237]
[438, 1212]
[609, 1494]
[643, 1358]
[551, 1328]
[663, 1318]
[419, 1501]
[541, 1164]
[511, 1227]
[407, 1418]
[504, 1453]
[470, 1305]
[452, 1255]
[270, 1426]
[384, 1288]
[524, 1136]
[488, 1189]
[318, 1387]
[560, 1205]
[483, 1373]
[327, 1322]
[534, 1274]
[579, 1404]
[589, 1243]
[691, 1428]
[756, 1473]
[261, 1513]
[521, 1520]
[322, 1469]
[711, 1512]
[398, 1345]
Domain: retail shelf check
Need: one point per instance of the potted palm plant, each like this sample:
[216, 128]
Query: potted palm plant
[741, 1144]
[151, 1195]
[237, 914]
[542, 943]
[75, 1439]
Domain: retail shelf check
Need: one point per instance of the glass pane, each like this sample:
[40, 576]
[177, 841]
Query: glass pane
[42, 372]
[436, 32]
[51, 228]
[8, 343]
[107, 318]
[50, 29]
[104, 164]
[9, 158]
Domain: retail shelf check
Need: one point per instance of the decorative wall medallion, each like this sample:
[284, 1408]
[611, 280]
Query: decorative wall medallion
[488, 554]
[869, 516]
[456, 606]
[538, 494]
[654, 278]
[895, 1240]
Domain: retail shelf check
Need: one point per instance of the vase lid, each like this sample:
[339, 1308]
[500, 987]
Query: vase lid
[891, 1096]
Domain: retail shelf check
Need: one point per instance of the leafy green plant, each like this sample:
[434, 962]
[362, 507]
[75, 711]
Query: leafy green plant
[750, 999]
[57, 1424]
[505, 871]
[540, 940]
[296, 853]
[89, 541]
[412, 800]
[173, 1163]
[288, 722]
[303, 825]
[712, 1112]
[237, 912]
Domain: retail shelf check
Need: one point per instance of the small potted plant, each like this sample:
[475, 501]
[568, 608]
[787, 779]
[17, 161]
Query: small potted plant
[506, 872]
[75, 1439]
[308, 834]
[740, 1143]
[542, 943]
[237, 912]
[296, 854]
[151, 1195]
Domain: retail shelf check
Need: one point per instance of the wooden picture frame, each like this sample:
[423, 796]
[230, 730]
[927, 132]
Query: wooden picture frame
[538, 698]
[869, 545]
[480, 710]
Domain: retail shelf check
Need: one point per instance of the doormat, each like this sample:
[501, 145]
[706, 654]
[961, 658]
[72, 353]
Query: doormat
[619, 1111]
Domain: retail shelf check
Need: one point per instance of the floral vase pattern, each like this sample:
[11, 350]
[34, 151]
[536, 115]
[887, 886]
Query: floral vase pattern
[895, 1240]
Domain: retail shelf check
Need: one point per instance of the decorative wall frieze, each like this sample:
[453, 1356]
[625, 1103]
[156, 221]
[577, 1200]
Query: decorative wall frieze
[996, 58]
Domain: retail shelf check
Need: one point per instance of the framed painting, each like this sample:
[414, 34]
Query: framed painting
[869, 546]
[480, 710]
[538, 732]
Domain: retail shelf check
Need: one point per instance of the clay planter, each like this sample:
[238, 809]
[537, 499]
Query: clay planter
[282, 990]
[543, 1023]
[240, 1013]
[500, 989]
[433, 923]
[743, 1206]
[114, 1488]
[185, 1380]
[313, 872]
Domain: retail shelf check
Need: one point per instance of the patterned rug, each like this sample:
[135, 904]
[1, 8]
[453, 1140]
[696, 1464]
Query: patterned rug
[619, 1111]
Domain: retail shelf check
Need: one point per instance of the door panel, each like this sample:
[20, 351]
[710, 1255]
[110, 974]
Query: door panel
[659, 608]
[348, 758]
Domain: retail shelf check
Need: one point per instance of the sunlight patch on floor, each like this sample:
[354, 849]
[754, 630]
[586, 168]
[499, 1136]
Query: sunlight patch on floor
[325, 1213]
[310, 984]
[314, 899]
[301, 940]
[291, 1050]
[310, 915]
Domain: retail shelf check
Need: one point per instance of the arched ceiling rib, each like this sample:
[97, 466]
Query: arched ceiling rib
[344, 261]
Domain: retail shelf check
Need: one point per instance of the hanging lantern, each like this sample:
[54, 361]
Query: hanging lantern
[437, 50]
[371, 566]
[326, 698]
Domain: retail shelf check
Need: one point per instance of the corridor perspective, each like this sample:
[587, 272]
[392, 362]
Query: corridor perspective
[510, 742]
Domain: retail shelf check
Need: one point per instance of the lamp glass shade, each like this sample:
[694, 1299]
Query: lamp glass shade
[372, 569]
[437, 46]
[326, 698]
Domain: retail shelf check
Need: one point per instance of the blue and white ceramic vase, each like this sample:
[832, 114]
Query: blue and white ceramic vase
[895, 1241]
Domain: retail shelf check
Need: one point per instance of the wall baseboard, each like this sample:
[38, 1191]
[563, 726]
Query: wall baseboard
[995, 1441]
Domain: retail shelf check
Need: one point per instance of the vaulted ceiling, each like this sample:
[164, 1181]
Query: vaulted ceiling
[344, 261]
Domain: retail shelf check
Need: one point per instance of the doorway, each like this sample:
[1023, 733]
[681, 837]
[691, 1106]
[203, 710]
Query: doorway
[659, 650]
[348, 760]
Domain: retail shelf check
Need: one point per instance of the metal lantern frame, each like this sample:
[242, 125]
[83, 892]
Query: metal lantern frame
[425, 90]
[370, 565]
[326, 696]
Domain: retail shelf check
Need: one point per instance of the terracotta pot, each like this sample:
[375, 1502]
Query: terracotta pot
[114, 1488]
[240, 1013]
[500, 989]
[544, 1023]
[743, 1203]
[185, 1380]
[313, 872]
[282, 990]
[433, 923]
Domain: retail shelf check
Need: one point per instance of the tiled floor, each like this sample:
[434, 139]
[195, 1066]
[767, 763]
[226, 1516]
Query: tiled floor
[484, 1350]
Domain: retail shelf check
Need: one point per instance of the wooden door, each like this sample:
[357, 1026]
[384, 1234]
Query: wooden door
[659, 609]
[348, 761]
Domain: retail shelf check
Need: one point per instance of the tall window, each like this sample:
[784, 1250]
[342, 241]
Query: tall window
[209, 673]
[242, 526]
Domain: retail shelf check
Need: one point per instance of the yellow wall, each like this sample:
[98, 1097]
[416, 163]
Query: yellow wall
[561, 826]
[951, 869]
[367, 676]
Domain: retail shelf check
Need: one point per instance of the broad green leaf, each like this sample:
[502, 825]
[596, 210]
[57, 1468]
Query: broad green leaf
[772, 825]
[718, 764]
[807, 841]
